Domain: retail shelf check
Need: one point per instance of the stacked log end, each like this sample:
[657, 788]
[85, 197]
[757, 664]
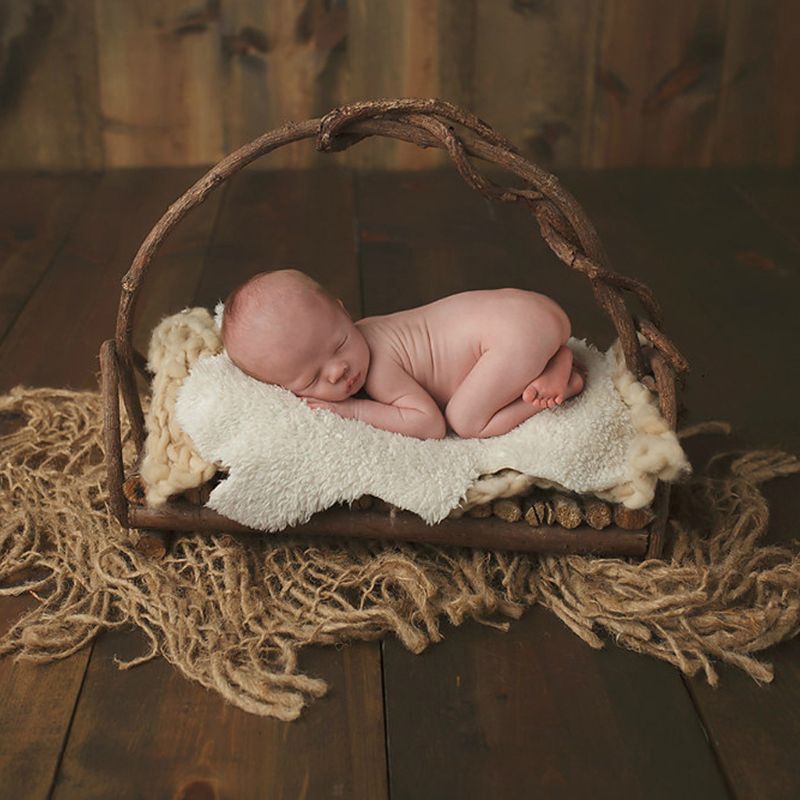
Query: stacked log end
[543, 508]
[567, 511]
[596, 513]
[632, 519]
[134, 491]
[508, 509]
[481, 511]
[538, 510]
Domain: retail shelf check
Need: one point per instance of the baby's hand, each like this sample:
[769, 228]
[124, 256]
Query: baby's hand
[344, 408]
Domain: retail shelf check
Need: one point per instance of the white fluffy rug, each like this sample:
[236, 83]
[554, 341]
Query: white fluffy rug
[286, 461]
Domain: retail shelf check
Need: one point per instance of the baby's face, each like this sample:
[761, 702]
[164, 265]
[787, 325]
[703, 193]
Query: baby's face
[324, 354]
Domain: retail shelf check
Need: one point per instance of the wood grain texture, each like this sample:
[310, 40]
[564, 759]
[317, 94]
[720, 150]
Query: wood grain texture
[54, 342]
[49, 86]
[535, 711]
[191, 740]
[483, 713]
[86, 275]
[598, 83]
[283, 60]
[758, 114]
[765, 192]
[160, 82]
[533, 64]
[148, 732]
[36, 702]
[36, 214]
[735, 322]
[700, 246]
[658, 75]
[754, 729]
[393, 52]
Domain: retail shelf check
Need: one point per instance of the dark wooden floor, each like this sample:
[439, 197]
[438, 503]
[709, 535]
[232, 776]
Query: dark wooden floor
[529, 713]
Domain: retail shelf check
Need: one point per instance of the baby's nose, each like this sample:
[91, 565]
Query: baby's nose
[340, 372]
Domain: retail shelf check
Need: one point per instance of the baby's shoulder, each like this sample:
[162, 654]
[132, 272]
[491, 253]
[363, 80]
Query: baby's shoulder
[378, 331]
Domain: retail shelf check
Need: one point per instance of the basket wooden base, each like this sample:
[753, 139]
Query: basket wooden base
[490, 533]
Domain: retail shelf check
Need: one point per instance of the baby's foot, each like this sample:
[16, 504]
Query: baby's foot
[576, 382]
[549, 388]
[574, 386]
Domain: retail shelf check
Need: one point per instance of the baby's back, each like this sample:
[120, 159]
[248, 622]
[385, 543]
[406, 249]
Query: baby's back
[439, 343]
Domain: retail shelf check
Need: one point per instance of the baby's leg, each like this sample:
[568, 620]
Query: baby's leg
[549, 388]
[488, 402]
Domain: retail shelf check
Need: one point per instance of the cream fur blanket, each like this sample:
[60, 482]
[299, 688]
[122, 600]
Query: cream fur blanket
[287, 461]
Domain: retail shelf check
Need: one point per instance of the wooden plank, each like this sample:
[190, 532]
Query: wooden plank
[704, 268]
[595, 83]
[160, 85]
[757, 116]
[54, 342]
[769, 193]
[36, 701]
[610, 722]
[536, 713]
[657, 77]
[48, 86]
[419, 48]
[735, 321]
[75, 307]
[376, 53]
[37, 212]
[188, 740]
[284, 61]
[296, 219]
[534, 82]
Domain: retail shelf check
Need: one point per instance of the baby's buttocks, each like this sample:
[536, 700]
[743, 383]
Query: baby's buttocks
[438, 344]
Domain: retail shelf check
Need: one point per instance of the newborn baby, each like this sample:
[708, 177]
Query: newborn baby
[481, 362]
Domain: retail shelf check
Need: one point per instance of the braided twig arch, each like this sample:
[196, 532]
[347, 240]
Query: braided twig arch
[425, 122]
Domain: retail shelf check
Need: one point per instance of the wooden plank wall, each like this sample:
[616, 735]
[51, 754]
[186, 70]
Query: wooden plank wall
[110, 83]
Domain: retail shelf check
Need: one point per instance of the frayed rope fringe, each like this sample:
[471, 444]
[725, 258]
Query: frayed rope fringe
[232, 615]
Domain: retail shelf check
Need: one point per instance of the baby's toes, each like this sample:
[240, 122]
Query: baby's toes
[529, 395]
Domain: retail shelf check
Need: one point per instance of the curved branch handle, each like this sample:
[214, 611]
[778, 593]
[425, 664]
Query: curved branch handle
[563, 224]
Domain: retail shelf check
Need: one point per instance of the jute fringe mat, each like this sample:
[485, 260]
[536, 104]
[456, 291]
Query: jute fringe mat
[232, 614]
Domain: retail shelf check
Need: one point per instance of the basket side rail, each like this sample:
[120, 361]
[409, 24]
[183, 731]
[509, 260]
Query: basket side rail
[112, 433]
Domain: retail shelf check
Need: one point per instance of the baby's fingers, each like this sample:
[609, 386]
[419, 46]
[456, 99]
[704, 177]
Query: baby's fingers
[314, 404]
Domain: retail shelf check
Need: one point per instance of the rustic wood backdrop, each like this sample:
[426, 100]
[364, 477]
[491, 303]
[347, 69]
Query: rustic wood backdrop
[601, 83]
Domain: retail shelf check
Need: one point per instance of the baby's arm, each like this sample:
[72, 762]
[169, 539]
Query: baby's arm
[401, 405]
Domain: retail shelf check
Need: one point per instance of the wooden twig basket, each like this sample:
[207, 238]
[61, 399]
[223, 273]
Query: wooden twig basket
[565, 228]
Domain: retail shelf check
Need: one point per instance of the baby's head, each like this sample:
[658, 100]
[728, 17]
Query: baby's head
[282, 327]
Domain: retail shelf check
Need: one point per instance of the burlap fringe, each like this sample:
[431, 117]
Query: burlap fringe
[232, 614]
